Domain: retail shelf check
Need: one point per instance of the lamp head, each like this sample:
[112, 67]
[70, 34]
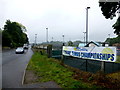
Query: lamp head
[88, 7]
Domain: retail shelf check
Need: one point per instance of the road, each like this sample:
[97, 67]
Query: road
[13, 66]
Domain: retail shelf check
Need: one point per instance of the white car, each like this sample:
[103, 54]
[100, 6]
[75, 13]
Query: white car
[26, 46]
[19, 50]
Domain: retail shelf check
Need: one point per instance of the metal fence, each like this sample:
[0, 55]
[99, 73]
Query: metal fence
[85, 64]
[57, 54]
[91, 65]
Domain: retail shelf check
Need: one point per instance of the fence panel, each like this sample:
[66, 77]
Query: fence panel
[75, 62]
[93, 66]
[111, 67]
[57, 54]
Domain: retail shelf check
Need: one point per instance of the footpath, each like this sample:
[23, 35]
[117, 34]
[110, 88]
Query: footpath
[30, 79]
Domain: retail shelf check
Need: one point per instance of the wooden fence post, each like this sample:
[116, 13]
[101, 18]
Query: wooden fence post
[86, 65]
[62, 57]
[113, 67]
[103, 66]
[49, 51]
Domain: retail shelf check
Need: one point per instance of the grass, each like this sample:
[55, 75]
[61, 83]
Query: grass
[52, 70]
[114, 75]
[6, 47]
[118, 59]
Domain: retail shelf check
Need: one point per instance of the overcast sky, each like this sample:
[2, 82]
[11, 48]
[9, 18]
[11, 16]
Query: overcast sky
[61, 17]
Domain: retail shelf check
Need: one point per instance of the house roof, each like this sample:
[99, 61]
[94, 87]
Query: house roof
[87, 45]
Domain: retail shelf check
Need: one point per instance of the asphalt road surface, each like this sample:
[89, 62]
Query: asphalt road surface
[13, 66]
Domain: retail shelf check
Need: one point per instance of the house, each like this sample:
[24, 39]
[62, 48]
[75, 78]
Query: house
[105, 44]
[92, 44]
[81, 45]
[117, 45]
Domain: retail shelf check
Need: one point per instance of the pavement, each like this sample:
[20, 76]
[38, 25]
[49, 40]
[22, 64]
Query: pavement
[50, 84]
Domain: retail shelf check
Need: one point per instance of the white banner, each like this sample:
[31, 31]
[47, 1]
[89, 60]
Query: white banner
[94, 53]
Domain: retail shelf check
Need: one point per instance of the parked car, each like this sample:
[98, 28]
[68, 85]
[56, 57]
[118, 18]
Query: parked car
[19, 50]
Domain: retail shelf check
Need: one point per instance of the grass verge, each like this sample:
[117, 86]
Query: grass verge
[118, 59]
[52, 70]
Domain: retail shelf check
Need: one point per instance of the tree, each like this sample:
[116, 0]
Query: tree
[0, 33]
[0, 36]
[24, 38]
[6, 39]
[109, 10]
[70, 43]
[76, 43]
[112, 41]
[14, 34]
[116, 26]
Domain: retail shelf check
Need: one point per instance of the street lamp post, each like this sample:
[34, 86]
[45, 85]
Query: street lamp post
[35, 38]
[63, 39]
[87, 24]
[119, 10]
[84, 37]
[52, 39]
[47, 35]
[87, 30]
[108, 35]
